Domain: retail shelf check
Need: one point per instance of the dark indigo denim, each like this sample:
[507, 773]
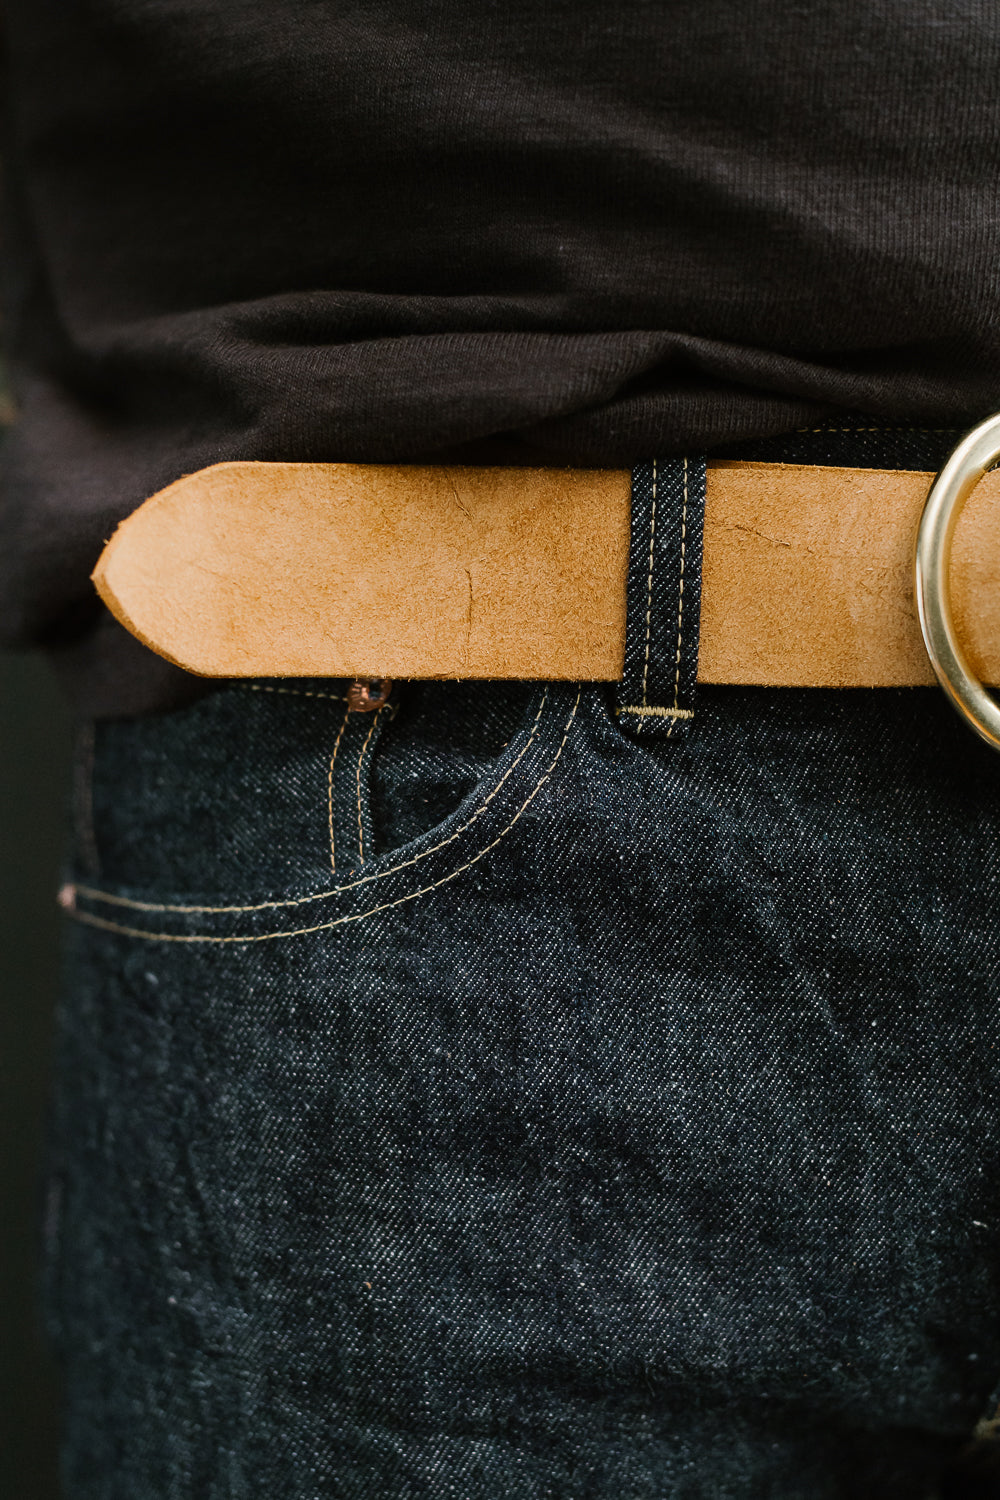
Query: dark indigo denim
[655, 698]
[480, 1101]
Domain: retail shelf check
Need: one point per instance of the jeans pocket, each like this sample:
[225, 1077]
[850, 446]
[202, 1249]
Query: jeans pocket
[443, 741]
[398, 773]
[266, 804]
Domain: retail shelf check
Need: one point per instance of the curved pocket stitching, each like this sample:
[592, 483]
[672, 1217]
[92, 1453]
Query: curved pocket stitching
[93, 893]
[262, 937]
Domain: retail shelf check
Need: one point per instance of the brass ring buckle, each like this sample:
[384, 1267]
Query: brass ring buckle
[977, 452]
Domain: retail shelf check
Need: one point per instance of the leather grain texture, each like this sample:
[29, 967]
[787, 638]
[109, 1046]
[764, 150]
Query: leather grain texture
[312, 570]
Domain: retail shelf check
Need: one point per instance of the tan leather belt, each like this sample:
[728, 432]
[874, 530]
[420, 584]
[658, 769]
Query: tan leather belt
[344, 570]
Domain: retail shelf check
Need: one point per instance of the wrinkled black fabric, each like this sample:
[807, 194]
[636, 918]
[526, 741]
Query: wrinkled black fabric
[477, 1099]
[576, 233]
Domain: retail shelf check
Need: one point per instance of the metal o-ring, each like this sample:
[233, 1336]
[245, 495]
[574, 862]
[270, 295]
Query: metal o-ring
[977, 452]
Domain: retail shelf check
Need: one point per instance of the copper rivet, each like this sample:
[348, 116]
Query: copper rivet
[368, 693]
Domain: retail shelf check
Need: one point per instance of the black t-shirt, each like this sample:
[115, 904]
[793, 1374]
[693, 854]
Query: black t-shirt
[528, 231]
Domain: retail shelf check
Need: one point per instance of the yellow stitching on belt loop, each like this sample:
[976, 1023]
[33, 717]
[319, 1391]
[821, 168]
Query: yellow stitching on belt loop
[91, 893]
[329, 791]
[364, 747]
[680, 600]
[263, 937]
[649, 584]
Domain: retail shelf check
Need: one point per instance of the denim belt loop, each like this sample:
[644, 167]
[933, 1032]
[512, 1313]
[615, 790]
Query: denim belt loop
[656, 693]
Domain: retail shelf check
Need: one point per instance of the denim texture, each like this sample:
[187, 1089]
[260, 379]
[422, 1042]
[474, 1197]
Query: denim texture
[476, 1099]
[655, 697]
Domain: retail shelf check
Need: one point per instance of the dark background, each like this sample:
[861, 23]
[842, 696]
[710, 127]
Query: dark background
[34, 755]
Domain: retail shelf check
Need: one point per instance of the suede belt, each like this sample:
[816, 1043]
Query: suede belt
[345, 570]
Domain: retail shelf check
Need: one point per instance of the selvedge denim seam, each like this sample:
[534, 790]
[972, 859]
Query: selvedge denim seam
[122, 929]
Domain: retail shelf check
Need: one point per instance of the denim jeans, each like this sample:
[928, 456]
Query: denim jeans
[500, 1096]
